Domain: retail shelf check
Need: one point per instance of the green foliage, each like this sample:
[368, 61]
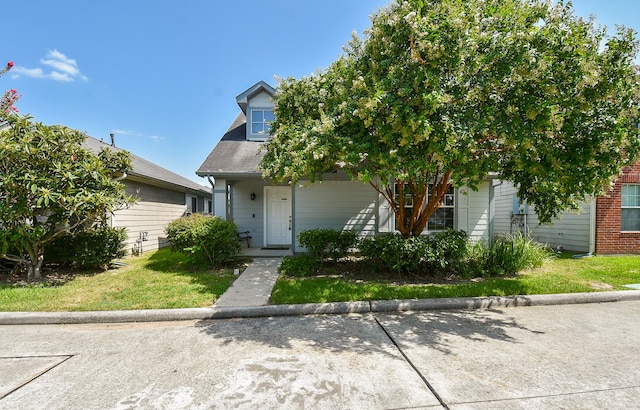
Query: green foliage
[395, 253]
[328, 243]
[157, 280]
[302, 265]
[50, 183]
[449, 89]
[96, 247]
[449, 250]
[204, 238]
[444, 251]
[508, 255]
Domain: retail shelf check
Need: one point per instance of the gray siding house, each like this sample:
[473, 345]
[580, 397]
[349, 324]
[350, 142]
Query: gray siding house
[163, 196]
[276, 214]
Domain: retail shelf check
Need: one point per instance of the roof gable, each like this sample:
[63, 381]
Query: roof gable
[243, 98]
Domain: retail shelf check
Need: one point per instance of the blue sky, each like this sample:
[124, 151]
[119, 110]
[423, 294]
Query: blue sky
[162, 75]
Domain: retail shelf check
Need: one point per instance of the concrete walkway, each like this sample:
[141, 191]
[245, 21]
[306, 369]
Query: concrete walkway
[253, 287]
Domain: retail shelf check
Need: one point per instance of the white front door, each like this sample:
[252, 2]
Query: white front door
[278, 215]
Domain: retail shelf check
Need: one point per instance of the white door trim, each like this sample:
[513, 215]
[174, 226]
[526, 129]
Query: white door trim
[277, 215]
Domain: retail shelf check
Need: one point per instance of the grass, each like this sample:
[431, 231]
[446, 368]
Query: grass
[558, 275]
[164, 280]
[159, 280]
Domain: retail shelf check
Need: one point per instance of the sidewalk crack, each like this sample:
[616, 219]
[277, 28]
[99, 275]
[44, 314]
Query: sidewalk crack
[424, 379]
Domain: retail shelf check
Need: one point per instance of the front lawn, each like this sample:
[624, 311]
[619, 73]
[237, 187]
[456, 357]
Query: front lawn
[157, 280]
[346, 281]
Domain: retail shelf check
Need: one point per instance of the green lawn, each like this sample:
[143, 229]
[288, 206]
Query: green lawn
[164, 280]
[157, 280]
[558, 275]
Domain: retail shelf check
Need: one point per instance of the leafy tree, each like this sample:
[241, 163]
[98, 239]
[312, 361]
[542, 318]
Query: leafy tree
[441, 93]
[50, 184]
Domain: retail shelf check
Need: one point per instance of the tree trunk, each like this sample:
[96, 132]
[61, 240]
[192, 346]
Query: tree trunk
[34, 264]
[424, 203]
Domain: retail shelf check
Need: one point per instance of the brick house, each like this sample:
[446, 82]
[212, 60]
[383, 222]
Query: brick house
[618, 215]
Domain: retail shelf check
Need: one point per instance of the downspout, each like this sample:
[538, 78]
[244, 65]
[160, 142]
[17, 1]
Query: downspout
[212, 182]
[120, 178]
[592, 226]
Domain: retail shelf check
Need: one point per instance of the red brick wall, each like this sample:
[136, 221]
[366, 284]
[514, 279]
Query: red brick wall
[609, 239]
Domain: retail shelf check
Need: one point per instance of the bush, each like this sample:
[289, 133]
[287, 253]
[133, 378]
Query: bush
[448, 250]
[88, 248]
[394, 252]
[509, 254]
[204, 238]
[303, 265]
[327, 243]
[444, 251]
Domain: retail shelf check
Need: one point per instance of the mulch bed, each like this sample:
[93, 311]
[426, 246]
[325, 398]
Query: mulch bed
[359, 270]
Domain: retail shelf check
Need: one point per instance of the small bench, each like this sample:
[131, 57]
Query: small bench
[245, 236]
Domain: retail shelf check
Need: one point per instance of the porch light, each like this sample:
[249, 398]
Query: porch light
[253, 196]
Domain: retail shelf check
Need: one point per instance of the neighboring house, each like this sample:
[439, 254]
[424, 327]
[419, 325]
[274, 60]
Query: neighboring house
[609, 224]
[275, 214]
[163, 196]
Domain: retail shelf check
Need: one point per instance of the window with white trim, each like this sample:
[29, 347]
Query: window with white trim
[441, 219]
[192, 204]
[631, 207]
[261, 121]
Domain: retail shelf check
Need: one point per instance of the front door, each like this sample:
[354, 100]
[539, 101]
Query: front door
[278, 215]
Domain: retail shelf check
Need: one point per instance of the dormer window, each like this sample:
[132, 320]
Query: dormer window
[261, 119]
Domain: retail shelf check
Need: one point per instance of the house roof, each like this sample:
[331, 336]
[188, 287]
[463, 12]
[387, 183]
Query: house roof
[246, 95]
[151, 173]
[233, 155]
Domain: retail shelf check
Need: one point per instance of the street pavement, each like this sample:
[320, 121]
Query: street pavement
[574, 356]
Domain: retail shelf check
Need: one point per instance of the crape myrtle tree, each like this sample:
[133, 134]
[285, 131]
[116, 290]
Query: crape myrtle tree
[441, 93]
[9, 97]
[50, 184]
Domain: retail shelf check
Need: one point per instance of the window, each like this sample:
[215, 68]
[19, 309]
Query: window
[631, 207]
[192, 204]
[261, 121]
[441, 219]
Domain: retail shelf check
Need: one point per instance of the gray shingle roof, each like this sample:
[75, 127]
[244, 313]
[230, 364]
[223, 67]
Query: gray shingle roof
[152, 173]
[233, 155]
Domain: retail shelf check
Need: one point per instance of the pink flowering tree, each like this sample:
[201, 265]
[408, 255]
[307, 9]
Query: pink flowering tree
[9, 97]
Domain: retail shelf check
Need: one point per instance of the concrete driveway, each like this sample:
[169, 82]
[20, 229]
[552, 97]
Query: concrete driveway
[567, 356]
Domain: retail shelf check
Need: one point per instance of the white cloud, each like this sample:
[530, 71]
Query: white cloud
[29, 72]
[154, 138]
[62, 68]
[127, 132]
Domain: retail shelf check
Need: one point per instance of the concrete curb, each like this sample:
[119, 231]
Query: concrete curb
[159, 315]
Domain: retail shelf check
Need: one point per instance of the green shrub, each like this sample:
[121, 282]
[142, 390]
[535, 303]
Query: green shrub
[447, 250]
[204, 238]
[88, 248]
[302, 265]
[509, 254]
[327, 243]
[394, 252]
[443, 251]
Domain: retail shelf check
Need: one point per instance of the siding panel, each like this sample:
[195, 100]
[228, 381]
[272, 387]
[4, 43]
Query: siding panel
[336, 205]
[156, 207]
[570, 230]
